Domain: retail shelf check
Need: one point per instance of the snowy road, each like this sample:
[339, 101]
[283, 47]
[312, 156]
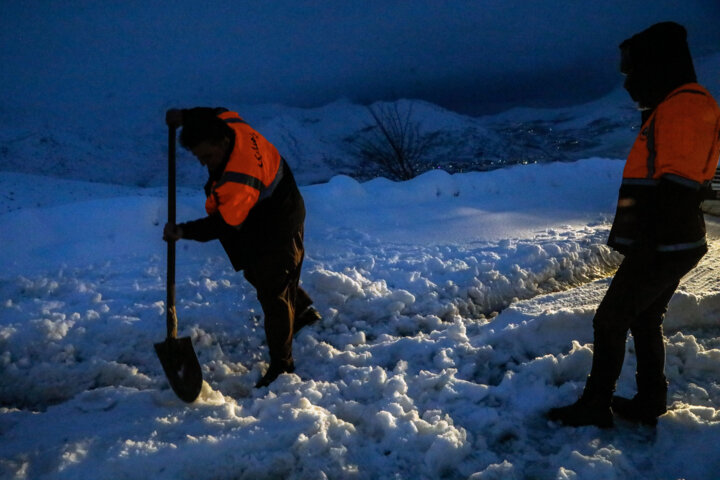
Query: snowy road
[706, 276]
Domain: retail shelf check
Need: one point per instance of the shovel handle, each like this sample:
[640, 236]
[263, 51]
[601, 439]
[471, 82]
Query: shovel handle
[171, 314]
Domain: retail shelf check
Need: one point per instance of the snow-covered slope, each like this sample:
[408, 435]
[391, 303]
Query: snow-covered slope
[126, 145]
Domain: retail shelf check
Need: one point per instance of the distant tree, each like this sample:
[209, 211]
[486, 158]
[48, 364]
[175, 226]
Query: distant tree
[394, 142]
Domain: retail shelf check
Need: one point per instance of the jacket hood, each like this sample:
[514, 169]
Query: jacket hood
[656, 62]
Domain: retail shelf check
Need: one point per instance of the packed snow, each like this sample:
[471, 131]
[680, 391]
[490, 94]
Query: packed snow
[456, 310]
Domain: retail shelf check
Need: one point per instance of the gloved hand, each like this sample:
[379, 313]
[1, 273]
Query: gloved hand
[174, 118]
[172, 233]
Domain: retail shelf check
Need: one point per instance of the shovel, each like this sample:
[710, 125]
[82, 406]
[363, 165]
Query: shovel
[176, 355]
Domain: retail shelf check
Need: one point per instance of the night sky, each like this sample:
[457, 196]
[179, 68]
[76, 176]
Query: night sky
[474, 57]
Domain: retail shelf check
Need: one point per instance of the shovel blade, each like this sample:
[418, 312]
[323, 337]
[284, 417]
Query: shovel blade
[181, 367]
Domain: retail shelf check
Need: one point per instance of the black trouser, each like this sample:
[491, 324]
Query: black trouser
[276, 276]
[636, 300]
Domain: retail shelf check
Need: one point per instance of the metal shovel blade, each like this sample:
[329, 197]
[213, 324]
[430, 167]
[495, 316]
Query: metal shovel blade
[181, 367]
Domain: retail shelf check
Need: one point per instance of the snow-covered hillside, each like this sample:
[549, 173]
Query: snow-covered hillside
[126, 145]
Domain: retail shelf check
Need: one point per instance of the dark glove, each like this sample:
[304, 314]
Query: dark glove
[174, 118]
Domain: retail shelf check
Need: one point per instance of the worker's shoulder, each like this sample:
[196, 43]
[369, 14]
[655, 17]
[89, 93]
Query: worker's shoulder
[692, 94]
[690, 101]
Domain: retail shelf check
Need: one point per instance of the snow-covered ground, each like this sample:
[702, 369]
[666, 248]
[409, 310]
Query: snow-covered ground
[456, 310]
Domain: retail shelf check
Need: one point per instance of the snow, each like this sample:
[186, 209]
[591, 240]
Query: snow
[456, 310]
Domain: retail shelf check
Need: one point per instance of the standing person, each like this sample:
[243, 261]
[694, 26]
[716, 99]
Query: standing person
[256, 211]
[658, 225]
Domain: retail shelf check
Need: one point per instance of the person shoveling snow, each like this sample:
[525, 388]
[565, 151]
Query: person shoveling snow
[257, 212]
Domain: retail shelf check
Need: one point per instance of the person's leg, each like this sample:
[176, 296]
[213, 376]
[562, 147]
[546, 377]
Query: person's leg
[647, 331]
[610, 325]
[279, 312]
[304, 313]
[275, 277]
[651, 399]
[640, 284]
[302, 299]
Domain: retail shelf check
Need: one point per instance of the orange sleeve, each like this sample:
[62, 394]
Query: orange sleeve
[235, 201]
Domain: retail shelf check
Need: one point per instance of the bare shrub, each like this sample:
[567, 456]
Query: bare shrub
[394, 142]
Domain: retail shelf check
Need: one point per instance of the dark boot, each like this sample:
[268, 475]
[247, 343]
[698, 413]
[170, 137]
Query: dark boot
[645, 407]
[275, 370]
[651, 399]
[592, 408]
[307, 317]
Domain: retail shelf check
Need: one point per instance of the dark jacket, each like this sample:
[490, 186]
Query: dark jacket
[675, 154]
[270, 224]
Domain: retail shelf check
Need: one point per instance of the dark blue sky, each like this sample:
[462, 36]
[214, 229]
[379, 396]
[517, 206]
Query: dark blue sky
[471, 56]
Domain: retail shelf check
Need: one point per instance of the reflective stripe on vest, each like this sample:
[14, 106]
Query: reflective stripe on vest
[234, 120]
[651, 182]
[679, 247]
[250, 181]
[242, 178]
[651, 149]
[644, 182]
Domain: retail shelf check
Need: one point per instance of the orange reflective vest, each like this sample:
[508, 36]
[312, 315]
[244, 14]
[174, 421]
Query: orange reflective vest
[253, 170]
[672, 160]
[679, 139]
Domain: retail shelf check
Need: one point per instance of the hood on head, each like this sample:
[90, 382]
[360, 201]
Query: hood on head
[656, 62]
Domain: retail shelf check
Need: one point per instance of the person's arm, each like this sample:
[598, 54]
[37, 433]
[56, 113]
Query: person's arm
[204, 229]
